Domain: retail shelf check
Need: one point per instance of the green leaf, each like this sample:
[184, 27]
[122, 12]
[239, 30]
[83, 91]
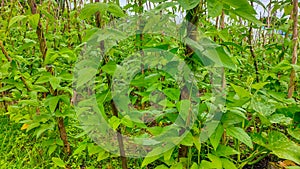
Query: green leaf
[214, 8]
[240, 134]
[216, 161]
[43, 128]
[52, 102]
[241, 92]
[185, 106]
[188, 4]
[188, 140]
[259, 86]
[51, 56]
[90, 9]
[294, 133]
[281, 119]
[240, 4]
[81, 148]
[44, 78]
[246, 15]
[85, 75]
[54, 81]
[197, 142]
[32, 126]
[172, 93]
[34, 20]
[168, 154]
[225, 59]
[153, 155]
[216, 137]
[284, 148]
[227, 164]
[5, 88]
[38, 88]
[51, 149]
[102, 155]
[114, 122]
[177, 166]
[16, 19]
[206, 165]
[115, 10]
[162, 166]
[59, 162]
[110, 67]
[94, 149]
[194, 166]
[225, 151]
[232, 117]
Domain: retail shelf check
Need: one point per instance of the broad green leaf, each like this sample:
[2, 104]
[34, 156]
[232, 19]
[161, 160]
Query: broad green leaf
[115, 10]
[177, 166]
[288, 9]
[230, 118]
[51, 149]
[31, 102]
[214, 8]
[197, 142]
[54, 81]
[294, 133]
[206, 165]
[110, 67]
[32, 126]
[165, 5]
[39, 88]
[156, 130]
[184, 111]
[43, 128]
[241, 4]
[162, 167]
[284, 148]
[81, 148]
[85, 75]
[16, 19]
[188, 140]
[102, 155]
[225, 59]
[157, 1]
[227, 164]
[151, 158]
[259, 86]
[216, 137]
[194, 166]
[34, 20]
[240, 134]
[168, 154]
[44, 78]
[59, 162]
[114, 122]
[241, 92]
[250, 17]
[51, 56]
[188, 4]
[216, 161]
[151, 23]
[52, 102]
[90, 9]
[172, 93]
[94, 149]
[6, 88]
[281, 119]
[225, 151]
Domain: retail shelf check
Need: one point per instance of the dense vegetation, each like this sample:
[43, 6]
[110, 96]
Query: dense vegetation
[149, 84]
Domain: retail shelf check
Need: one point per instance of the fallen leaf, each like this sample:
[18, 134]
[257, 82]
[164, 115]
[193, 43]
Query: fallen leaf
[25, 126]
